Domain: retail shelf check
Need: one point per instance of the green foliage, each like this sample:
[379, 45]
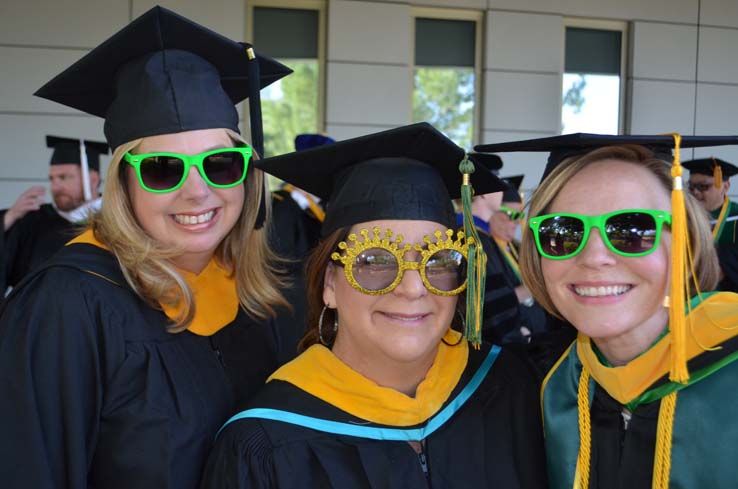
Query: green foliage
[444, 97]
[290, 107]
[573, 96]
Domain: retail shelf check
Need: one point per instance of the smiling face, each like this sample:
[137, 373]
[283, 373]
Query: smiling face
[402, 327]
[606, 296]
[196, 217]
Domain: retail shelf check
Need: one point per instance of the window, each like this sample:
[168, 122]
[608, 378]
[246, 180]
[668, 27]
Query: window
[446, 73]
[292, 35]
[593, 88]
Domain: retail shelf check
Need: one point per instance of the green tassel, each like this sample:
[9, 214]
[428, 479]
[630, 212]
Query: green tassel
[476, 262]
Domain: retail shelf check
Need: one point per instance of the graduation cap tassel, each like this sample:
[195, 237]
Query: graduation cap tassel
[257, 131]
[476, 262]
[85, 167]
[717, 173]
[677, 300]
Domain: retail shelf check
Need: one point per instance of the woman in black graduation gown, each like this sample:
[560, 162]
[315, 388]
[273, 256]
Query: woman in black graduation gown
[639, 399]
[121, 357]
[387, 394]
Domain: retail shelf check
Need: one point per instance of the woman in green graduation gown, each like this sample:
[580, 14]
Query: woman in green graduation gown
[122, 356]
[387, 394]
[641, 398]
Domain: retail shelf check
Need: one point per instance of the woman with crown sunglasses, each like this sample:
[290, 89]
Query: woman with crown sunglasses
[617, 248]
[123, 355]
[387, 392]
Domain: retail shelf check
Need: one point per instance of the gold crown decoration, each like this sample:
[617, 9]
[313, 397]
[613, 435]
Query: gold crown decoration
[398, 249]
[460, 244]
[376, 242]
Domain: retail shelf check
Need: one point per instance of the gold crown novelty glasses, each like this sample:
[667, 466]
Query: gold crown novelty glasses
[376, 264]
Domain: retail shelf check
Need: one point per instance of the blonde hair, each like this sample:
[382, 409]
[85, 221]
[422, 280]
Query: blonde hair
[706, 266]
[146, 263]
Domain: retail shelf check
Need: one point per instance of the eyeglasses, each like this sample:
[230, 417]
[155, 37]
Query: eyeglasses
[630, 232]
[166, 172]
[376, 265]
[700, 187]
[512, 213]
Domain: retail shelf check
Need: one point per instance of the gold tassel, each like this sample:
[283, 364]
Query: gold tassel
[677, 302]
[476, 261]
[662, 456]
[717, 173]
[581, 476]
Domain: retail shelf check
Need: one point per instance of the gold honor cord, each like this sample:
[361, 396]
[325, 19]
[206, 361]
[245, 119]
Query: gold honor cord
[317, 211]
[718, 228]
[510, 256]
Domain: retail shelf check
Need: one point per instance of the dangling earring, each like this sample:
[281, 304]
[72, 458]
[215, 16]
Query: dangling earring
[320, 325]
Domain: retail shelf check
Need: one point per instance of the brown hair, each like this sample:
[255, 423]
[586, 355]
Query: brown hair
[700, 238]
[315, 268]
[146, 263]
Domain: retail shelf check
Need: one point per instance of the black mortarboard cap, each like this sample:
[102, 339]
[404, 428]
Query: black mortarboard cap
[706, 166]
[512, 192]
[307, 141]
[411, 172]
[562, 147]
[67, 151]
[489, 161]
[160, 74]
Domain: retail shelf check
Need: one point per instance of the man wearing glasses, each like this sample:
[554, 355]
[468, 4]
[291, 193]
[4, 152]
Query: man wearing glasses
[32, 230]
[709, 183]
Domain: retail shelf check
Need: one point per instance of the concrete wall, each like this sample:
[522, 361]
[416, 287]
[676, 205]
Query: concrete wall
[682, 68]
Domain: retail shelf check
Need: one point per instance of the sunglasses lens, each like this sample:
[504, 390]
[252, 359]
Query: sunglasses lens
[375, 269]
[446, 270]
[560, 236]
[632, 232]
[224, 168]
[161, 172]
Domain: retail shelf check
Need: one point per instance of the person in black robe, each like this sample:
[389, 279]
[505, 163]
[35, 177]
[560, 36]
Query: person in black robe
[122, 355]
[639, 399]
[387, 393]
[33, 232]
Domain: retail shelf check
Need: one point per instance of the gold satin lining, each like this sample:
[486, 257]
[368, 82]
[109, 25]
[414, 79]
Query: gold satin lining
[711, 323]
[214, 289]
[320, 373]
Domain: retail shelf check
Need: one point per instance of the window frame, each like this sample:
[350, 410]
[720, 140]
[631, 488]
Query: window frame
[321, 7]
[602, 25]
[476, 16]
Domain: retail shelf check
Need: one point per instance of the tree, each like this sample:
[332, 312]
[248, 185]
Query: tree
[444, 97]
[290, 107]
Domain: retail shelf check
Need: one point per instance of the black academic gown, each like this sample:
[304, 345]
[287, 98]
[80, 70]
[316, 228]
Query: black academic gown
[32, 240]
[493, 441]
[95, 392]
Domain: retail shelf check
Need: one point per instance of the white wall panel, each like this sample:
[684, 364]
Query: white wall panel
[664, 51]
[663, 10]
[718, 55]
[369, 31]
[73, 23]
[719, 12]
[341, 132]
[526, 42]
[717, 106]
[368, 94]
[522, 101]
[226, 17]
[25, 70]
[660, 107]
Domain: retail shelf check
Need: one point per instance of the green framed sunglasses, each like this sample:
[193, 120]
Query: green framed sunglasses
[166, 172]
[629, 232]
[512, 213]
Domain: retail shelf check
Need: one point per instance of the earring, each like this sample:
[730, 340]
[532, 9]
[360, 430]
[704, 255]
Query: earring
[320, 325]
